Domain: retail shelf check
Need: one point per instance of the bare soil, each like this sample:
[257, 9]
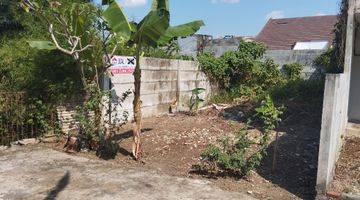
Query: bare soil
[347, 173]
[172, 144]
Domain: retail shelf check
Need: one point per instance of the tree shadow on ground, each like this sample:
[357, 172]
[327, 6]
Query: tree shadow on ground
[60, 186]
[128, 134]
[296, 156]
[111, 147]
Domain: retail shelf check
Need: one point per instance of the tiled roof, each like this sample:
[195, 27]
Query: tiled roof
[282, 34]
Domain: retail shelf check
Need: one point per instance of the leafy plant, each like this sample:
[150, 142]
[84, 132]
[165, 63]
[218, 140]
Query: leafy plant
[243, 67]
[195, 99]
[268, 114]
[236, 156]
[293, 71]
[87, 117]
[327, 62]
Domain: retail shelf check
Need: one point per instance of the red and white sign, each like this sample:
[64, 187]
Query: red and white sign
[122, 65]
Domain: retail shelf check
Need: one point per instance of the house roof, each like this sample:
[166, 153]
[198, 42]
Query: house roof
[282, 34]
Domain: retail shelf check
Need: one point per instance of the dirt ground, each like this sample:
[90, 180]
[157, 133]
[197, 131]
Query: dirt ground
[172, 144]
[36, 173]
[347, 173]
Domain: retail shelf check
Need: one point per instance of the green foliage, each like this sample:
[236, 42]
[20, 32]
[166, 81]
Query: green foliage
[195, 99]
[32, 115]
[87, 116]
[49, 76]
[327, 62]
[241, 155]
[153, 30]
[244, 76]
[243, 67]
[215, 68]
[240, 94]
[338, 56]
[268, 114]
[233, 156]
[309, 91]
[293, 71]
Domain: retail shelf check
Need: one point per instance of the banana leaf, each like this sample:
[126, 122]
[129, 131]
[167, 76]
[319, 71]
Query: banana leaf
[117, 20]
[180, 31]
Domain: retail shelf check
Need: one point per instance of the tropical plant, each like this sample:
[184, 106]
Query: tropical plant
[153, 31]
[195, 99]
[76, 29]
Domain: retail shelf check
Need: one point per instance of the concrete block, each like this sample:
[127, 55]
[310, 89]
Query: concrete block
[163, 82]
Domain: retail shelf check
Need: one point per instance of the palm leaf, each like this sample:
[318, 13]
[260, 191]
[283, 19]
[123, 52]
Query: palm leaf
[160, 4]
[152, 27]
[117, 20]
[181, 31]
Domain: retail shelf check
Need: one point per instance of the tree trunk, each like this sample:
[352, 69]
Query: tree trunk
[137, 108]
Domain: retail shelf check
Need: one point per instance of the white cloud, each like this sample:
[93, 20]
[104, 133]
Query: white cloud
[134, 3]
[276, 14]
[225, 1]
[320, 14]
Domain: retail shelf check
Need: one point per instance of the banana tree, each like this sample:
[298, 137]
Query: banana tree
[153, 31]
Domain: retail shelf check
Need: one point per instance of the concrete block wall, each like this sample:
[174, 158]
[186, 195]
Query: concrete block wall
[304, 57]
[164, 82]
[66, 114]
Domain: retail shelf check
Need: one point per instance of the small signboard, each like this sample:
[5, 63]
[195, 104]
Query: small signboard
[122, 65]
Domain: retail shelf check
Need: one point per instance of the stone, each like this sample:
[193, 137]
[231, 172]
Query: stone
[51, 139]
[333, 194]
[347, 196]
[30, 141]
[2, 148]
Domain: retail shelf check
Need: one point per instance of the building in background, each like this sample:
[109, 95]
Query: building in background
[194, 44]
[301, 33]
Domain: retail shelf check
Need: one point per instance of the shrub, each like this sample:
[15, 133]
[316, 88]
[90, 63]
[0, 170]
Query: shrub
[326, 62]
[268, 114]
[237, 156]
[216, 69]
[242, 72]
[293, 71]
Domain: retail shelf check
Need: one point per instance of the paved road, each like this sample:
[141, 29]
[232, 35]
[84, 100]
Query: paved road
[41, 173]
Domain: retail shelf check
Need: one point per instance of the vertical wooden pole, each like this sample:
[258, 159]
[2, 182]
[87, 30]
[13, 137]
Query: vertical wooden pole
[273, 170]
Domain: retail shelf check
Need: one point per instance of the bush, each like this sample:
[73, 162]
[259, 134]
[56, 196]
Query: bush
[237, 156]
[268, 114]
[310, 91]
[327, 63]
[293, 71]
[241, 73]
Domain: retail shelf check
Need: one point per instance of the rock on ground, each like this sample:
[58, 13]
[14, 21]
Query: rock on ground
[41, 173]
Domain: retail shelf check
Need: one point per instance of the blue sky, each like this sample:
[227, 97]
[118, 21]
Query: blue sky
[233, 17]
